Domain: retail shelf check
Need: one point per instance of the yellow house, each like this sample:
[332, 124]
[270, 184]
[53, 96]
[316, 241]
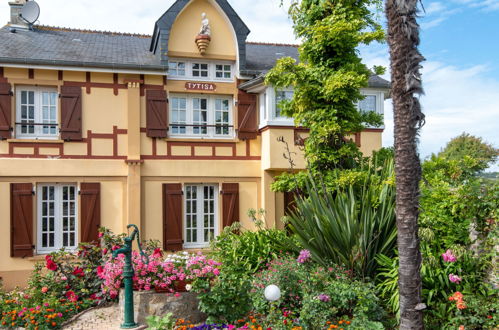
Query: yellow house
[175, 132]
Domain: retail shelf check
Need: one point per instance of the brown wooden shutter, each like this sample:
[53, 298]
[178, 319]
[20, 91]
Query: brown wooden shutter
[247, 116]
[156, 114]
[71, 112]
[90, 211]
[230, 203]
[289, 202]
[5, 111]
[172, 217]
[21, 220]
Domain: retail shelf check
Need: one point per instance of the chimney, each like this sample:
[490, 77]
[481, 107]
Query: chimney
[15, 18]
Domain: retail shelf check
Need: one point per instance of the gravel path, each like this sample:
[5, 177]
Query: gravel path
[104, 318]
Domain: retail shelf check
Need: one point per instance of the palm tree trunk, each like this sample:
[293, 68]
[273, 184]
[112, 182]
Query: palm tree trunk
[403, 39]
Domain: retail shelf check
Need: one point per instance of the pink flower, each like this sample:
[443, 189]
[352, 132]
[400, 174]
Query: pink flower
[104, 251]
[177, 294]
[115, 247]
[448, 256]
[304, 256]
[45, 289]
[454, 278]
[216, 271]
[324, 297]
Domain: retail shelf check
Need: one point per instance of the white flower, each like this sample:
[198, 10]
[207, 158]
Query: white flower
[188, 287]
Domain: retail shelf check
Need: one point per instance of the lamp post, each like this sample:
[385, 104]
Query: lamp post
[128, 317]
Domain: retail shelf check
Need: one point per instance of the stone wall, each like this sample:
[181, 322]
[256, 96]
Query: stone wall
[184, 305]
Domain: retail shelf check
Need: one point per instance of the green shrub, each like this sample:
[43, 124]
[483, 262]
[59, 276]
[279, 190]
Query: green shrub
[349, 226]
[248, 251]
[312, 295]
[226, 299]
[161, 322]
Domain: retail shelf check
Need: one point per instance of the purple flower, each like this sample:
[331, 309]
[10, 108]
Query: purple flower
[454, 278]
[448, 256]
[324, 297]
[304, 256]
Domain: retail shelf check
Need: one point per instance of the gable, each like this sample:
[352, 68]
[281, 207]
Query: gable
[187, 25]
[163, 27]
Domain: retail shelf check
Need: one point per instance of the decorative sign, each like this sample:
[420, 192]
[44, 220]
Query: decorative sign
[194, 86]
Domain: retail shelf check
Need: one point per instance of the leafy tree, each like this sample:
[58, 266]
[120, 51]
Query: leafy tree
[472, 146]
[328, 79]
[405, 59]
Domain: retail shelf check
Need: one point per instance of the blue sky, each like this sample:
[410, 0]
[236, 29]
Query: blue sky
[460, 40]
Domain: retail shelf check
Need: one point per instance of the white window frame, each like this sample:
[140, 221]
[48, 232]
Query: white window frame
[200, 63]
[58, 217]
[212, 65]
[223, 71]
[211, 116]
[268, 107]
[200, 243]
[38, 113]
[176, 68]
[380, 100]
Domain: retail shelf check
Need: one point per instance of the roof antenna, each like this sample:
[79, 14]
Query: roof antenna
[30, 13]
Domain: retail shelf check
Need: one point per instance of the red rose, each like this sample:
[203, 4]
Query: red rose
[78, 272]
[50, 264]
[100, 270]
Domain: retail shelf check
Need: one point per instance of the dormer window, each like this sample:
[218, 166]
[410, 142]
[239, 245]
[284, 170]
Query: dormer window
[180, 69]
[223, 71]
[176, 69]
[200, 70]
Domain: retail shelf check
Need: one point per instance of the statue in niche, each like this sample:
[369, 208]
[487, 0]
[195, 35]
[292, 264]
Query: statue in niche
[205, 25]
[203, 38]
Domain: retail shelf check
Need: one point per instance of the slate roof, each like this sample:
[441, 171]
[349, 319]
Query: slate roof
[68, 47]
[261, 57]
[119, 51]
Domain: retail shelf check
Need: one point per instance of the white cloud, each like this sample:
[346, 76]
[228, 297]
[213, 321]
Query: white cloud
[435, 14]
[434, 7]
[487, 5]
[457, 100]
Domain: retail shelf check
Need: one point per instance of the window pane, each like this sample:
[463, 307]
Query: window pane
[368, 104]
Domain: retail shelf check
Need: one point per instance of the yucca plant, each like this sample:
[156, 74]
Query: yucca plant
[349, 226]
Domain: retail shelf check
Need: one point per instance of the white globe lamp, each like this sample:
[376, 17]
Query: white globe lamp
[272, 292]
